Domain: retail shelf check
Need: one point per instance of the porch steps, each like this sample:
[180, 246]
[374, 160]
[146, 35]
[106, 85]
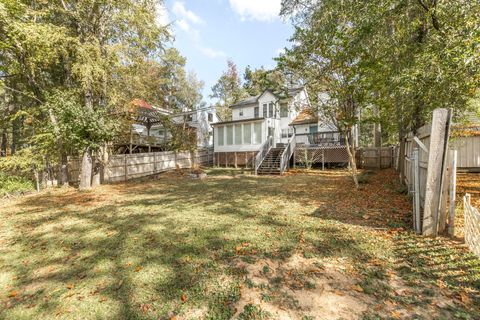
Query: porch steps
[271, 163]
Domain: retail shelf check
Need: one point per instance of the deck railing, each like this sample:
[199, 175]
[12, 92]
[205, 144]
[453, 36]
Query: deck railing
[320, 139]
[262, 152]
[287, 154]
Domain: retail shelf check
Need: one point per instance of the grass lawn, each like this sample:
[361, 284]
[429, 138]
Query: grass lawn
[302, 246]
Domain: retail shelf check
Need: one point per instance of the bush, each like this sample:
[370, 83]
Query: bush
[14, 185]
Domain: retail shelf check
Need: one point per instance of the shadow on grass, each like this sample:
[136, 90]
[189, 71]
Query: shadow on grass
[159, 248]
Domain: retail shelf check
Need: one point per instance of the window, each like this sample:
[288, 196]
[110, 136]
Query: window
[270, 109]
[256, 112]
[247, 133]
[238, 134]
[210, 117]
[257, 133]
[189, 117]
[229, 135]
[265, 111]
[221, 138]
[240, 112]
[284, 111]
[284, 133]
[313, 129]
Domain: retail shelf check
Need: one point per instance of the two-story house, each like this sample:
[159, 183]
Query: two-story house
[257, 122]
[266, 130]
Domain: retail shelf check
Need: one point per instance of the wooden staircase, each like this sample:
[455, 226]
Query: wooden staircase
[271, 162]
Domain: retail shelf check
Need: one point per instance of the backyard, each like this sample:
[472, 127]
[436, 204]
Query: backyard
[302, 246]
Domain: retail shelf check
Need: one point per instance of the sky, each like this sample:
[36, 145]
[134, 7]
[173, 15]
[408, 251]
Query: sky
[208, 32]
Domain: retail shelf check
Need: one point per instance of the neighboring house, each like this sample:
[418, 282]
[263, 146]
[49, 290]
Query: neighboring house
[265, 131]
[149, 134]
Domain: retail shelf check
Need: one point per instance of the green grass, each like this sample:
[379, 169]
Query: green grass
[163, 248]
[14, 185]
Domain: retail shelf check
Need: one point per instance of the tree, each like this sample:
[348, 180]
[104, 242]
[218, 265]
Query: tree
[401, 59]
[258, 80]
[59, 59]
[228, 90]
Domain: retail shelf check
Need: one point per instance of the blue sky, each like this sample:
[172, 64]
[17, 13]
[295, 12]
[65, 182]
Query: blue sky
[208, 32]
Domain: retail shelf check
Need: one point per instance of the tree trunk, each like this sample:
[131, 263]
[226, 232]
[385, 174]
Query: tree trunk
[86, 170]
[96, 174]
[3, 149]
[377, 129]
[401, 152]
[351, 156]
[63, 173]
[15, 136]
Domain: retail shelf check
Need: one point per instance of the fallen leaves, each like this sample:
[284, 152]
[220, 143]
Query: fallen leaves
[184, 298]
[12, 294]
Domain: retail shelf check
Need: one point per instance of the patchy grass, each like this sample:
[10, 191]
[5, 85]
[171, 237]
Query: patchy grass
[303, 246]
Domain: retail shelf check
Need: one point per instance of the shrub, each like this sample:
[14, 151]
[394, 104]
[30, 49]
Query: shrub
[14, 184]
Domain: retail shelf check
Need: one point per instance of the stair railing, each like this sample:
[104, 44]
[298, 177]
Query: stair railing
[262, 153]
[287, 154]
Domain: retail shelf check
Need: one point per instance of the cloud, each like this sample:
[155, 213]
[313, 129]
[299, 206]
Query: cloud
[162, 16]
[212, 53]
[183, 13]
[261, 10]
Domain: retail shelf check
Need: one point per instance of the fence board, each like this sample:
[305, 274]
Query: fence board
[131, 166]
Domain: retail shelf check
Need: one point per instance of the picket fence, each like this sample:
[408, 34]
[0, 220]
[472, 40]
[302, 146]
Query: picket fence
[472, 225]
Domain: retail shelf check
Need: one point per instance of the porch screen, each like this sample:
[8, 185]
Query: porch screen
[229, 135]
[221, 138]
[238, 134]
[257, 133]
[247, 133]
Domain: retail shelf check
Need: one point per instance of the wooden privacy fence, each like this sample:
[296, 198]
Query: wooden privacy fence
[130, 166]
[376, 158]
[425, 162]
[472, 225]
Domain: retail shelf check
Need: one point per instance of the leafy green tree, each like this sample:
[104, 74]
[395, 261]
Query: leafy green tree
[228, 90]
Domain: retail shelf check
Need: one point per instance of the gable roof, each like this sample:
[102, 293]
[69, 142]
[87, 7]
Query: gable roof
[306, 116]
[291, 92]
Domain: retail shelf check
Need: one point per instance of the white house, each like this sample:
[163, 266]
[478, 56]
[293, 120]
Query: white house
[266, 129]
[149, 134]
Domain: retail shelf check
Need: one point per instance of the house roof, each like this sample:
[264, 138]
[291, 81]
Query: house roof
[141, 104]
[291, 92]
[306, 116]
[246, 101]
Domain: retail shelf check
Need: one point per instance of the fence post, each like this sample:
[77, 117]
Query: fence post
[416, 190]
[453, 194]
[436, 158]
[126, 167]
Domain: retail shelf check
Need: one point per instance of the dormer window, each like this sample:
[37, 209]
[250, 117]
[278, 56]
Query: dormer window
[240, 112]
[210, 117]
[270, 110]
[256, 112]
[265, 110]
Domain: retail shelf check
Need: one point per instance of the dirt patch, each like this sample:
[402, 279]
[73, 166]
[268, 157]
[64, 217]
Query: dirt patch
[301, 288]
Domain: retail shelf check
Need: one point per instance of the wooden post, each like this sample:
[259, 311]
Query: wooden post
[442, 213]
[126, 167]
[436, 159]
[453, 193]
[416, 187]
[226, 159]
[235, 161]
